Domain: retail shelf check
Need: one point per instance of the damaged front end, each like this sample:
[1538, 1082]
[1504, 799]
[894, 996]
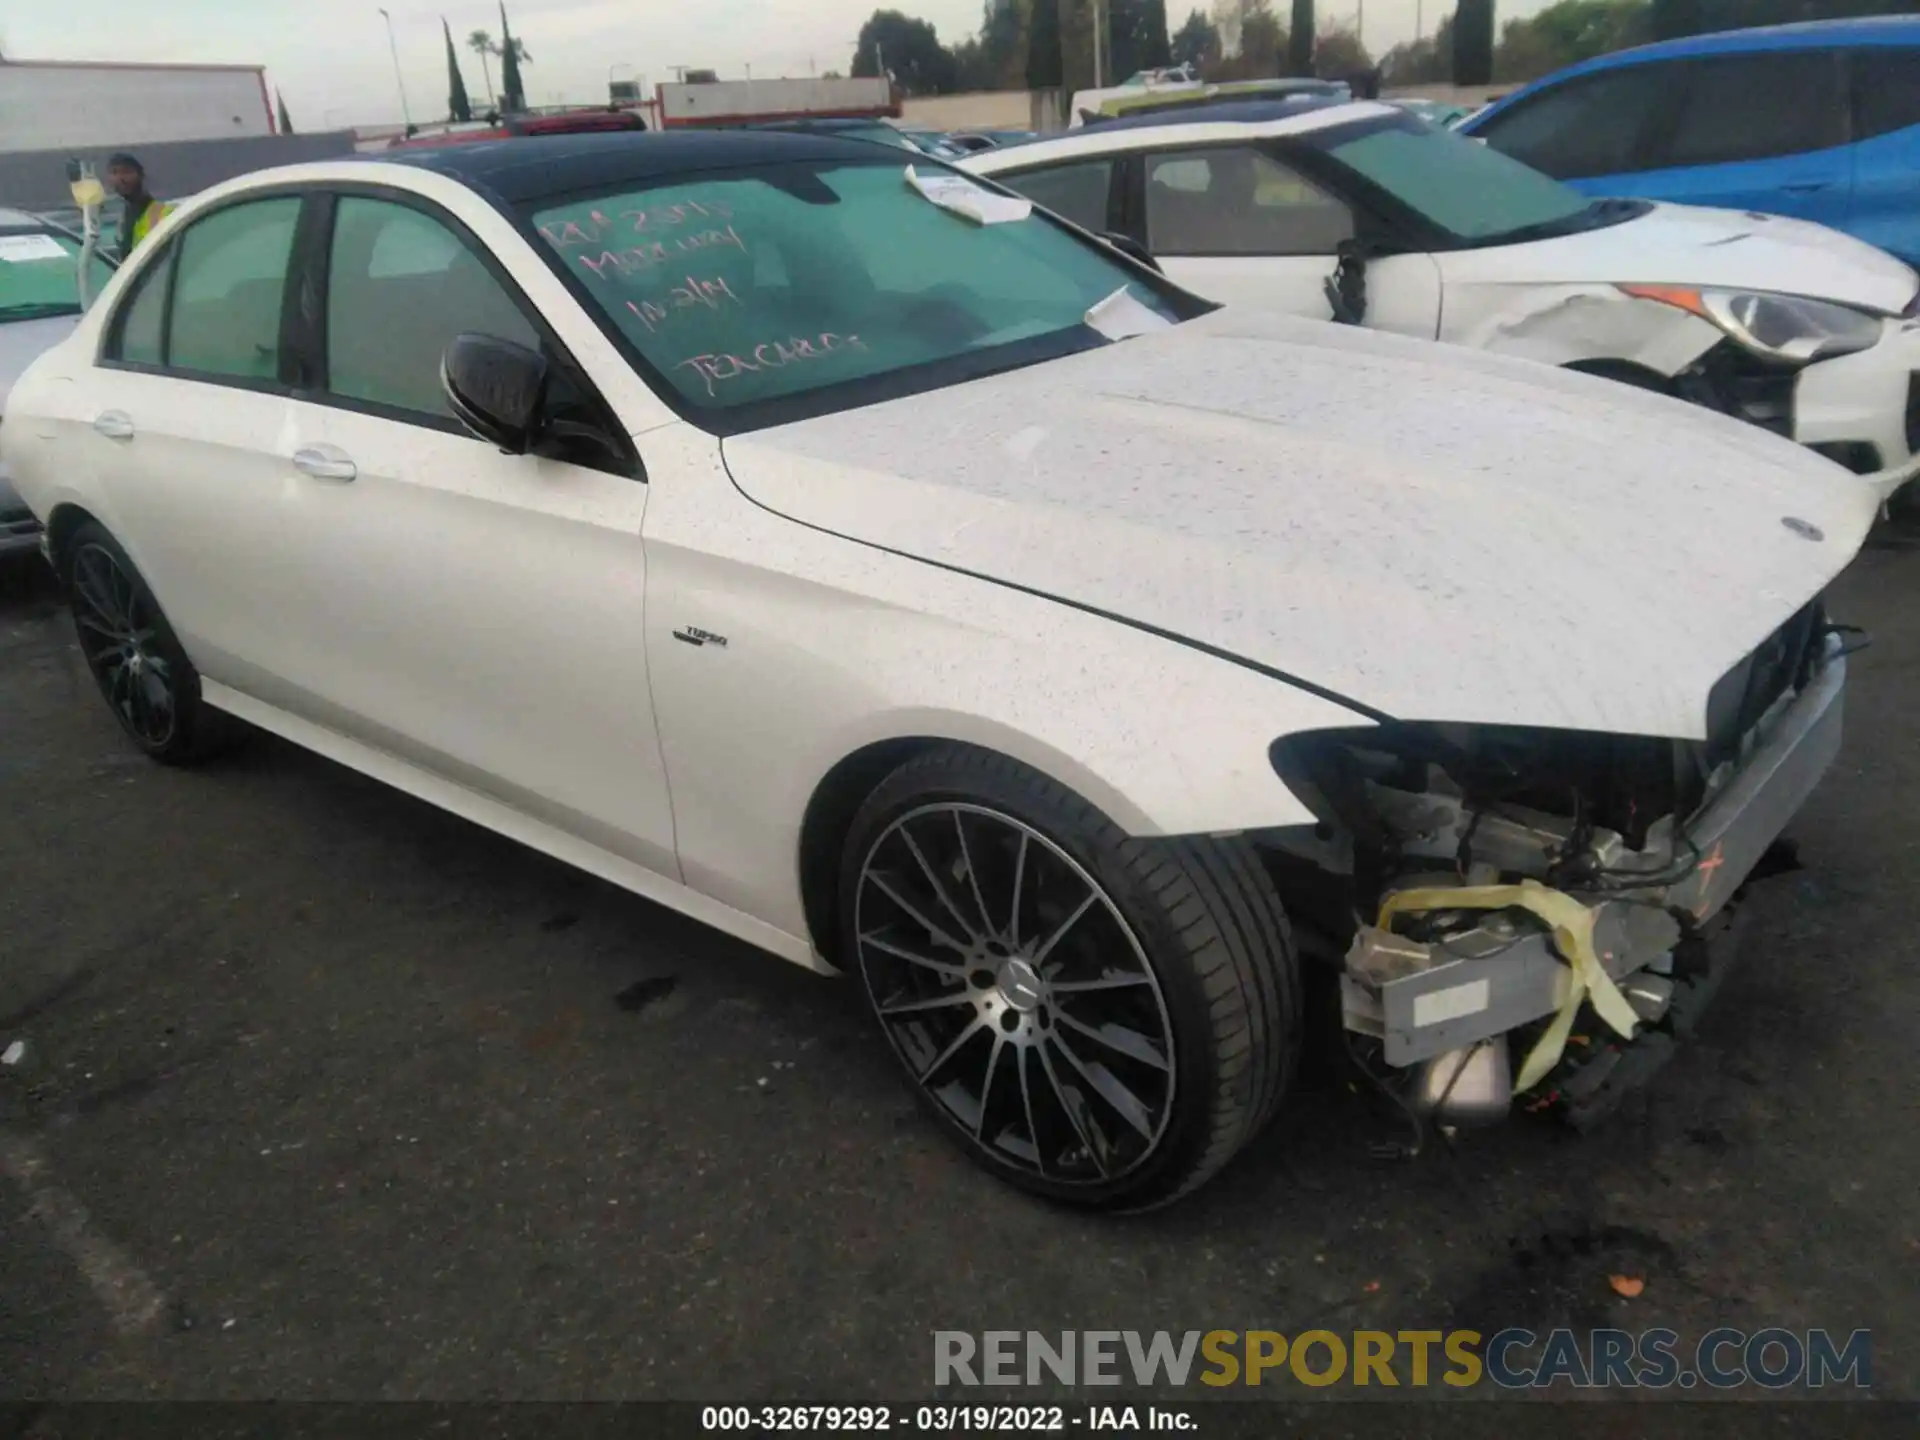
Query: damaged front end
[1537, 914]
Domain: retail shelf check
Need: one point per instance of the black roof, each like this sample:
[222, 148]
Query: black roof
[535, 166]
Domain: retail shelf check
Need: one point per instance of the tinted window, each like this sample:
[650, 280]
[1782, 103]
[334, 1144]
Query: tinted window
[1591, 125]
[141, 314]
[1752, 107]
[1073, 192]
[1234, 200]
[753, 288]
[399, 287]
[1470, 191]
[227, 290]
[1886, 90]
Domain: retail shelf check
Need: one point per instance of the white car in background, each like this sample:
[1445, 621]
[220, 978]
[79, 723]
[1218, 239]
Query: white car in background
[40, 303]
[1366, 213]
[867, 564]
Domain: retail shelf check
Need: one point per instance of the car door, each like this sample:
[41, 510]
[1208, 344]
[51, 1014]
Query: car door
[478, 613]
[1732, 142]
[187, 404]
[1884, 209]
[1234, 223]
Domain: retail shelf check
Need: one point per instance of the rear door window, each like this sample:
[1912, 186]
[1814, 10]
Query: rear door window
[137, 339]
[1077, 192]
[1886, 91]
[1736, 108]
[1590, 125]
[227, 290]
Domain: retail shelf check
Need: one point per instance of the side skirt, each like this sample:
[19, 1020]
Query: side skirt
[502, 820]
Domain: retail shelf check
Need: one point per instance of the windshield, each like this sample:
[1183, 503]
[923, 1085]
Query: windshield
[762, 295]
[1463, 187]
[39, 275]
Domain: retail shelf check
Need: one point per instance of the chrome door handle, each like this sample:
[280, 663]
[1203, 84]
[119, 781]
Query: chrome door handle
[114, 424]
[324, 462]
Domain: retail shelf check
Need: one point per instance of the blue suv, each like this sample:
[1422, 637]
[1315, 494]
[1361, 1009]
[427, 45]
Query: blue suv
[1819, 121]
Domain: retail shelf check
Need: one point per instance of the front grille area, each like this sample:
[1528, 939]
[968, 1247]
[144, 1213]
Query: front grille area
[1731, 378]
[1782, 662]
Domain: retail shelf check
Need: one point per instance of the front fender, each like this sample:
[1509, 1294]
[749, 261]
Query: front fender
[1574, 324]
[873, 647]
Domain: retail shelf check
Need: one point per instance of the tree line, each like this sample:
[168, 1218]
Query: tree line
[1040, 44]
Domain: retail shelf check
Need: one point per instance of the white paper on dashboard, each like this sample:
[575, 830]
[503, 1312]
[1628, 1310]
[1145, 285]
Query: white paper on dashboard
[1121, 317]
[19, 249]
[962, 197]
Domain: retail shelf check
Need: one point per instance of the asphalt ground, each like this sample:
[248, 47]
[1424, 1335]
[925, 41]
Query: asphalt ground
[326, 1094]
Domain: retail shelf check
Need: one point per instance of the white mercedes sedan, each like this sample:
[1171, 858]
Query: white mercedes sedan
[874, 567]
[1367, 214]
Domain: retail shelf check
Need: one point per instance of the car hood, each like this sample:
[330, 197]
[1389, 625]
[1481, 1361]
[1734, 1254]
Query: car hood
[1691, 245]
[24, 341]
[1431, 531]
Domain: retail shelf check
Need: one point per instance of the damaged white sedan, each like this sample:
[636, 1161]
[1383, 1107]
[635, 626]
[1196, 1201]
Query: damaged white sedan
[881, 571]
[1367, 214]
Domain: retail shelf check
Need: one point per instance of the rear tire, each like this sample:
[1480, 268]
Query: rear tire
[1101, 1020]
[143, 673]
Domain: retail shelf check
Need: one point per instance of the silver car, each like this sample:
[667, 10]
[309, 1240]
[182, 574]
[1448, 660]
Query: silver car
[39, 306]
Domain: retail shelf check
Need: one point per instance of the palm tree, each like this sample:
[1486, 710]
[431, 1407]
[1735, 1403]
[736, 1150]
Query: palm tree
[481, 43]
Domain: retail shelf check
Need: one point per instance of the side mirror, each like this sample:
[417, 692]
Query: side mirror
[1131, 248]
[495, 388]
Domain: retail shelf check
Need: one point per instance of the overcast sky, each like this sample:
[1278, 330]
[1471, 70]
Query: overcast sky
[330, 57]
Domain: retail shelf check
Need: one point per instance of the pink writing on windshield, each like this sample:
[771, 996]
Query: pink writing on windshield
[715, 294]
[666, 217]
[596, 226]
[566, 232]
[769, 355]
[618, 263]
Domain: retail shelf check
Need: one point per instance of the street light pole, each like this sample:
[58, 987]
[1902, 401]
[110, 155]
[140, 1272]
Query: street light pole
[406, 112]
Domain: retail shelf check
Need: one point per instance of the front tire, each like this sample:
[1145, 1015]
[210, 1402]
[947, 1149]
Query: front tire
[1097, 1019]
[135, 658]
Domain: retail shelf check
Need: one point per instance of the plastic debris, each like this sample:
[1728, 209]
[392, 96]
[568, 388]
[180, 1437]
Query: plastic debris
[1627, 1285]
[14, 1053]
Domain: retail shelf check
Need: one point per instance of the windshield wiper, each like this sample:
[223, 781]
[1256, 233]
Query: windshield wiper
[46, 310]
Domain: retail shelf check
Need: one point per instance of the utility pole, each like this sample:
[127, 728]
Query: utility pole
[1419, 29]
[1099, 70]
[406, 113]
[1360, 25]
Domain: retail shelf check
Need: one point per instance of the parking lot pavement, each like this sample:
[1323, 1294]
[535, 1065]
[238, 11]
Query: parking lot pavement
[325, 1093]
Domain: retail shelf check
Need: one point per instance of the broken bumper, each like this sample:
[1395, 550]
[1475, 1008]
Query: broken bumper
[1423, 1000]
[1863, 410]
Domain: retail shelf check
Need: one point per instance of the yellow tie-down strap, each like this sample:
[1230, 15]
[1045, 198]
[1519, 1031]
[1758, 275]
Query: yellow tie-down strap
[1571, 924]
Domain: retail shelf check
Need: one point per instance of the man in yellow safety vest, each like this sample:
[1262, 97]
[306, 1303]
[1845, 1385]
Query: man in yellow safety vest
[127, 178]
